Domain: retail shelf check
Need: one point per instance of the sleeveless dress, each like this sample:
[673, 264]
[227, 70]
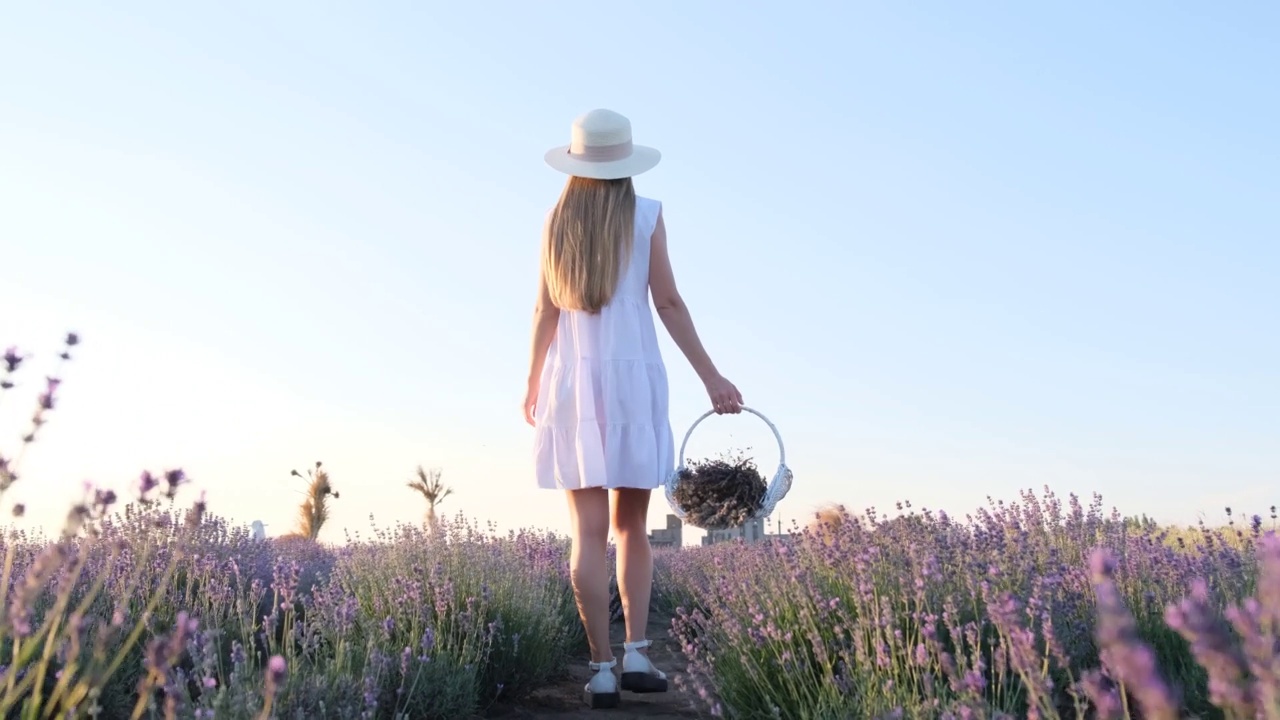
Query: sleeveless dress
[601, 418]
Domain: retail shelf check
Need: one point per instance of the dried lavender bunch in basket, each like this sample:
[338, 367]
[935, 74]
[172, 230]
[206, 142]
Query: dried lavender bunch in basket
[720, 493]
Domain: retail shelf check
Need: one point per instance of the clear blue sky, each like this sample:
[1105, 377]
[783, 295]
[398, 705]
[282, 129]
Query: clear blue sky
[952, 252]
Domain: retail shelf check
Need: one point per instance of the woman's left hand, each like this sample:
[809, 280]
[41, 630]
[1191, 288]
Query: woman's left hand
[530, 402]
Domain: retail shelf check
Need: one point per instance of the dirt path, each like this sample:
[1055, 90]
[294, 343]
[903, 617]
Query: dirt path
[564, 701]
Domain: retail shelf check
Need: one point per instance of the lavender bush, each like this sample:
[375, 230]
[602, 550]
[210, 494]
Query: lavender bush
[148, 610]
[413, 624]
[60, 650]
[1026, 609]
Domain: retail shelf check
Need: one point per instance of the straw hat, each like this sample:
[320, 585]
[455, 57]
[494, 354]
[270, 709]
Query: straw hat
[600, 147]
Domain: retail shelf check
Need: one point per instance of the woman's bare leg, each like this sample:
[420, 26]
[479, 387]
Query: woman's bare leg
[589, 567]
[635, 559]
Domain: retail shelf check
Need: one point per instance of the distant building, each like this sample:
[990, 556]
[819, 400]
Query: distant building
[259, 530]
[752, 531]
[670, 536]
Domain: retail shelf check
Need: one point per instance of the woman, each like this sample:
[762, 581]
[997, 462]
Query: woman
[597, 392]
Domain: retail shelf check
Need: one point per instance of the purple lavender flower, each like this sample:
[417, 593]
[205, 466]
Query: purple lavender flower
[174, 478]
[1131, 660]
[147, 483]
[12, 359]
[276, 669]
[46, 399]
[1212, 646]
[1103, 694]
[428, 643]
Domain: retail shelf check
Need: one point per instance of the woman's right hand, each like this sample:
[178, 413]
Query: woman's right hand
[725, 397]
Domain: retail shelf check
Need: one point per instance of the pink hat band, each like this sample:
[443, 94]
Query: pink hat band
[601, 153]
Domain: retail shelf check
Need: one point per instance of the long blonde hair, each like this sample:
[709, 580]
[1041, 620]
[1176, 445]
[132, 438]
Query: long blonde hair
[588, 243]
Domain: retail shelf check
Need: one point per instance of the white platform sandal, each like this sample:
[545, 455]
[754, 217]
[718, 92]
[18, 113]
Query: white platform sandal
[638, 673]
[602, 691]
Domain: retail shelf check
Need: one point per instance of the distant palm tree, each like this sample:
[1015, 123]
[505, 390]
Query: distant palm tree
[314, 510]
[428, 484]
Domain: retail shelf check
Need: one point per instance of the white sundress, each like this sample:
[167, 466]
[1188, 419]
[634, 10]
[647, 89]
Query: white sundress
[601, 418]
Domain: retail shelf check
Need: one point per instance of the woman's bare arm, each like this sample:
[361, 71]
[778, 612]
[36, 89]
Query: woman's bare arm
[675, 316]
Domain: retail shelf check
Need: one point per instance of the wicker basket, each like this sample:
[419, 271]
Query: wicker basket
[778, 486]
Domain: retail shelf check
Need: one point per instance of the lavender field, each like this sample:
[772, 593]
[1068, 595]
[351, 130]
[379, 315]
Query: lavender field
[157, 615]
[147, 608]
[1025, 609]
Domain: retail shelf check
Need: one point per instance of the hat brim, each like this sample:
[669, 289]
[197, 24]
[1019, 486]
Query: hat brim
[640, 160]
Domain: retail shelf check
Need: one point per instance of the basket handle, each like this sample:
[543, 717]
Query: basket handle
[782, 451]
